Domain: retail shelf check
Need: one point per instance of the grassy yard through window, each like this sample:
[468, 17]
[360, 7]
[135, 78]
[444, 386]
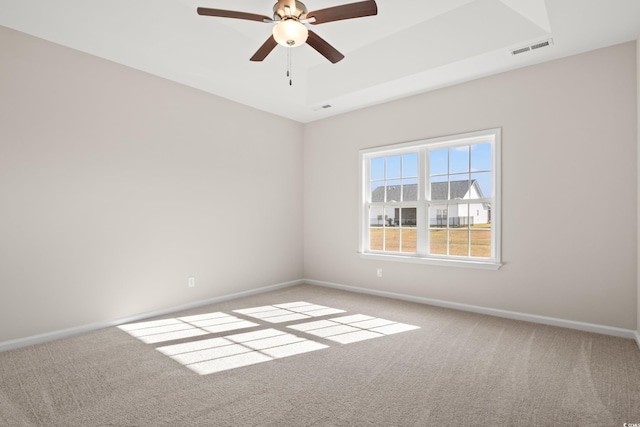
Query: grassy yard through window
[395, 237]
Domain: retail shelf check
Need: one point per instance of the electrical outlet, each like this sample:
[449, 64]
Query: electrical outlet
[379, 272]
[191, 282]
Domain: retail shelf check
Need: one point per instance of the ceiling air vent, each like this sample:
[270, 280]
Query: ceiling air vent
[541, 44]
[534, 46]
[322, 107]
[521, 50]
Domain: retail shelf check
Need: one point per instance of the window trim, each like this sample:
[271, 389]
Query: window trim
[468, 138]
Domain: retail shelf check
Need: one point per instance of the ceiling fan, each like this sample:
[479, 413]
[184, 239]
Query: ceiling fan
[289, 17]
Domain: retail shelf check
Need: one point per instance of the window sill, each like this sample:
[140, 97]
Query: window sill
[482, 265]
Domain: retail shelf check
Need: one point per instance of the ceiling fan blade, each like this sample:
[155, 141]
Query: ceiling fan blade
[345, 11]
[324, 48]
[264, 50]
[233, 14]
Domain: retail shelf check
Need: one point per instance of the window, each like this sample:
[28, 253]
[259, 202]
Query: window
[433, 201]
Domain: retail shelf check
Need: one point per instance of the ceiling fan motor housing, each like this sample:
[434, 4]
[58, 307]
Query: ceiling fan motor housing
[289, 9]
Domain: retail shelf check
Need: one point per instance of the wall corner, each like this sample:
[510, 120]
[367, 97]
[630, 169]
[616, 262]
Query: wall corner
[638, 188]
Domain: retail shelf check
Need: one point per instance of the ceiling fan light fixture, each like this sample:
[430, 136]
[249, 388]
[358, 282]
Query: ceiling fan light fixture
[290, 33]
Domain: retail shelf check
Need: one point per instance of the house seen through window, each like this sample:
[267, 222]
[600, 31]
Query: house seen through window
[433, 200]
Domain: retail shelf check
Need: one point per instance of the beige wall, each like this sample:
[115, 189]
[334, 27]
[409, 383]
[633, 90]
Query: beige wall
[115, 186]
[569, 151]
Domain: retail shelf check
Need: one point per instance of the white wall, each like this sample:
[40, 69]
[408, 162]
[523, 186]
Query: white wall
[638, 171]
[569, 140]
[115, 186]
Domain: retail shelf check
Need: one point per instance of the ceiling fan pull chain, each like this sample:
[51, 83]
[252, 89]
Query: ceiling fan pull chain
[289, 72]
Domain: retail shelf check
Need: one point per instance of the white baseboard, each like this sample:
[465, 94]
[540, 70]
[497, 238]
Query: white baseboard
[64, 333]
[588, 327]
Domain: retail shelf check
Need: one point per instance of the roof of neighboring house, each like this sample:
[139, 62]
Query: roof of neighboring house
[459, 189]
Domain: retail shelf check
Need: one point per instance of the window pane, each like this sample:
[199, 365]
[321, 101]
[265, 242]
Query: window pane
[377, 168]
[439, 188]
[375, 238]
[459, 242]
[376, 230]
[408, 217]
[391, 217]
[392, 239]
[393, 167]
[438, 229]
[410, 189]
[439, 162]
[458, 215]
[481, 157]
[459, 230]
[377, 191]
[485, 182]
[459, 187]
[459, 159]
[438, 241]
[410, 165]
[376, 217]
[481, 242]
[409, 239]
[453, 215]
[438, 216]
[393, 191]
[479, 214]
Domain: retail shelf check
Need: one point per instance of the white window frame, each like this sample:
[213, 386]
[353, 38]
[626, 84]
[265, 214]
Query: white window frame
[423, 147]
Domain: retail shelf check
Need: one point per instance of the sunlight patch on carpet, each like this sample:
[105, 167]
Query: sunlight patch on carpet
[207, 355]
[234, 351]
[280, 313]
[157, 331]
[353, 328]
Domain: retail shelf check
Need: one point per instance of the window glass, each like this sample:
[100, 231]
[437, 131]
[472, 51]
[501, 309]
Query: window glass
[377, 191]
[459, 159]
[481, 157]
[393, 190]
[410, 165]
[484, 183]
[393, 169]
[439, 162]
[377, 168]
[410, 189]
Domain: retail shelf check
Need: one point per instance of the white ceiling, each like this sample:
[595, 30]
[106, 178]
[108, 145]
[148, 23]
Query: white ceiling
[411, 46]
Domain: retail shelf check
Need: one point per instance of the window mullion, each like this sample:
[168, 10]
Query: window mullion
[422, 211]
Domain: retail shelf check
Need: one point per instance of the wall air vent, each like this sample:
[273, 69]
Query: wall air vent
[534, 46]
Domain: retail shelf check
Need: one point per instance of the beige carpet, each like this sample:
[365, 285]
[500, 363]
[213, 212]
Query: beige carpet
[419, 366]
